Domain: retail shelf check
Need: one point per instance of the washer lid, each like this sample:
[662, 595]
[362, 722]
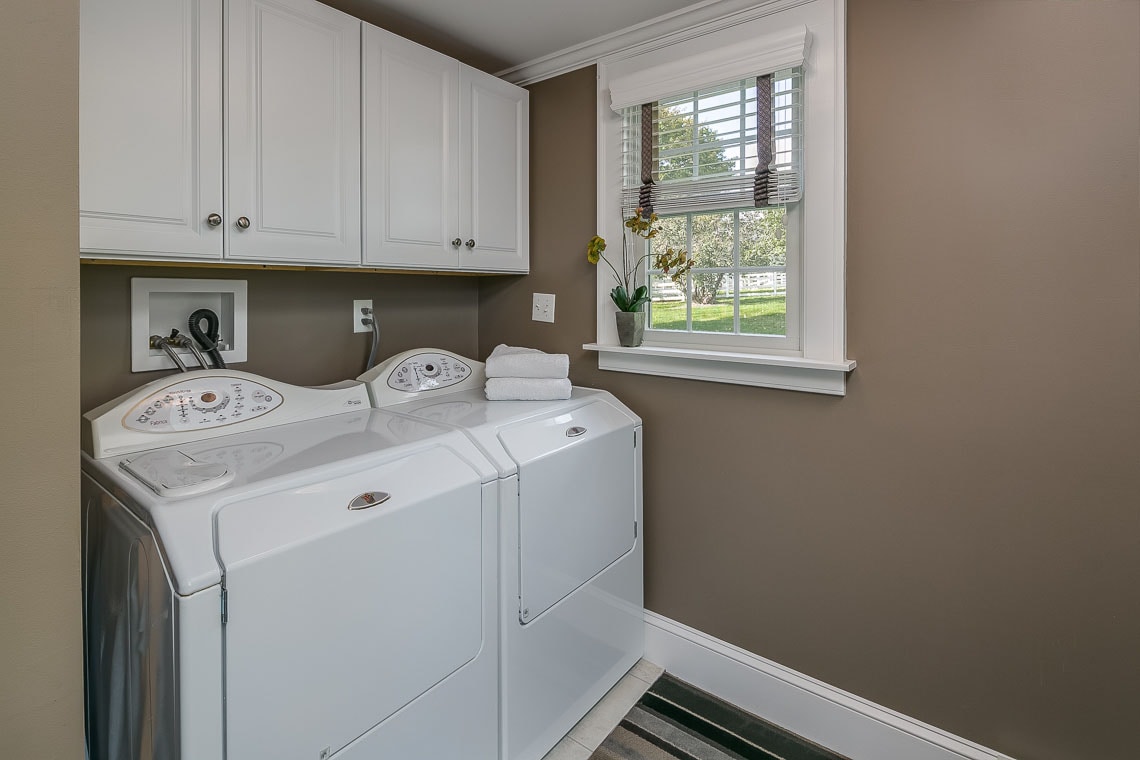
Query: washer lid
[301, 458]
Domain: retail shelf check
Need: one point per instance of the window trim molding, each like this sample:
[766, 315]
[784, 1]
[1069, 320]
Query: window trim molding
[791, 373]
[822, 364]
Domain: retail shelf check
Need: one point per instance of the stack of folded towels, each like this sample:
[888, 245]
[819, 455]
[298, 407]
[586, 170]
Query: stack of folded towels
[527, 374]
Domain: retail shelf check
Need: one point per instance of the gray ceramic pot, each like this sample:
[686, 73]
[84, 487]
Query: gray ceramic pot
[630, 327]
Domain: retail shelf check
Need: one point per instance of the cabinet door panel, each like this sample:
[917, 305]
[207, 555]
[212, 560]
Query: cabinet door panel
[150, 103]
[495, 173]
[294, 132]
[411, 112]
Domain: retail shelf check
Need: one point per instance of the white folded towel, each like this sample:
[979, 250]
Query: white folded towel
[513, 361]
[527, 389]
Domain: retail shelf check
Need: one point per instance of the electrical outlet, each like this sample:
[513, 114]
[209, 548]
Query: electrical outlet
[357, 315]
[543, 309]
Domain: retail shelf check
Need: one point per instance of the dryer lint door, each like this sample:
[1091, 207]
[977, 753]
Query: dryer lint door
[577, 500]
[346, 600]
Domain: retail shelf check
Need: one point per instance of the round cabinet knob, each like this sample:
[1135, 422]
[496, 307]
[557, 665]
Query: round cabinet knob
[457, 242]
[214, 220]
[470, 243]
[243, 222]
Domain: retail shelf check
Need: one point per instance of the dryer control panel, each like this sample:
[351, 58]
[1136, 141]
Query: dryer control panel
[426, 371]
[201, 403]
[421, 371]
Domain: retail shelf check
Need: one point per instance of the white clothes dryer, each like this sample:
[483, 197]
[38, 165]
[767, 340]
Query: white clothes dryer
[572, 617]
[280, 572]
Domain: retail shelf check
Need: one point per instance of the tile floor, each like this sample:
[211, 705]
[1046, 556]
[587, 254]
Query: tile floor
[593, 729]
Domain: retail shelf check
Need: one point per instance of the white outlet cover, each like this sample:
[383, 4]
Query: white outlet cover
[159, 304]
[357, 315]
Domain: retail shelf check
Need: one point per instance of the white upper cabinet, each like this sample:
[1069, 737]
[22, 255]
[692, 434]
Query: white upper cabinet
[150, 128]
[231, 130]
[495, 173]
[293, 129]
[445, 162]
[153, 115]
[411, 153]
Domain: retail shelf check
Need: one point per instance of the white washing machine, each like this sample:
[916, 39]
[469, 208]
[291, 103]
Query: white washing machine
[570, 485]
[280, 572]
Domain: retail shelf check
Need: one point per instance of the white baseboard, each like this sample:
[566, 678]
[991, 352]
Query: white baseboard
[843, 722]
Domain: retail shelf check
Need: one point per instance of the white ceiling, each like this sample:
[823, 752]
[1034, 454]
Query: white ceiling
[518, 31]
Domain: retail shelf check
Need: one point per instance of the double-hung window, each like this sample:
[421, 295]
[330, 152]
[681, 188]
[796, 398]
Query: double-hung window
[734, 135]
[722, 167]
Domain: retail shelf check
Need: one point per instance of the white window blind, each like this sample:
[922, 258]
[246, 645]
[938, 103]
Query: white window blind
[728, 146]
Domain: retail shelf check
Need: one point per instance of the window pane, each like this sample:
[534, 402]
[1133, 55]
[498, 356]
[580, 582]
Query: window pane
[717, 313]
[763, 238]
[667, 310]
[672, 235]
[713, 240]
[763, 304]
[713, 116]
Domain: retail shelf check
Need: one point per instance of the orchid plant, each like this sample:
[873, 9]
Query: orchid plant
[675, 263]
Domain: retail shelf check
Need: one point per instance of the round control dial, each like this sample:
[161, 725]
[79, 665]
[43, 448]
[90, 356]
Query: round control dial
[209, 402]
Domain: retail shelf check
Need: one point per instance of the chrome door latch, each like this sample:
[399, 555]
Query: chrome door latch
[369, 499]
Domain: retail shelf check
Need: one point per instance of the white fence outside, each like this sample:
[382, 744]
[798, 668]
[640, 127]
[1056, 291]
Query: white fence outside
[663, 289]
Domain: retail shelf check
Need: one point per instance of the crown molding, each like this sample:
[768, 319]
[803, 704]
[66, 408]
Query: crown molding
[687, 23]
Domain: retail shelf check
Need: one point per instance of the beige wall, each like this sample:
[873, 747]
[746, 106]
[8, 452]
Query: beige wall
[959, 537]
[300, 327]
[41, 677]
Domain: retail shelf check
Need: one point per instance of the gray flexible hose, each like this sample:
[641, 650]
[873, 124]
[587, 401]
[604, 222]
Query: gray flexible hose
[183, 342]
[370, 320]
[157, 341]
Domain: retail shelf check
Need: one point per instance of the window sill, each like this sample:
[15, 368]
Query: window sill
[792, 373]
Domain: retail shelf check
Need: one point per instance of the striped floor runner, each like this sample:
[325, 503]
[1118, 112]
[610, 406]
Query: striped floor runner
[675, 720]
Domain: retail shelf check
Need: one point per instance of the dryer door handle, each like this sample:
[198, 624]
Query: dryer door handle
[369, 499]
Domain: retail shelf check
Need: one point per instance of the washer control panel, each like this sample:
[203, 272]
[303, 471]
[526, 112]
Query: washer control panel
[427, 371]
[202, 403]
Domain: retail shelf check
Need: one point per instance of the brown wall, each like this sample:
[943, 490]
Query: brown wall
[959, 537]
[41, 677]
[300, 327]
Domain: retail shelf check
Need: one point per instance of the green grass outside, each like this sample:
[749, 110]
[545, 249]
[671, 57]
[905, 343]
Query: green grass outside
[759, 315]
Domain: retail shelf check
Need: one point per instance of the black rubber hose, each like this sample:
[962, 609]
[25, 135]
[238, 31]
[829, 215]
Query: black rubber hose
[207, 340]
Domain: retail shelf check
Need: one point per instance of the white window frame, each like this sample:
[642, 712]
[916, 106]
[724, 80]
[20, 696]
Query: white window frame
[820, 365]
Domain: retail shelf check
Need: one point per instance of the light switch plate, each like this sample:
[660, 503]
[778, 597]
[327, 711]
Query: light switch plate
[543, 309]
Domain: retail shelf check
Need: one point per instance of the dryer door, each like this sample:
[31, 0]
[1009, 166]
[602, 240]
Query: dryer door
[577, 500]
[344, 605]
